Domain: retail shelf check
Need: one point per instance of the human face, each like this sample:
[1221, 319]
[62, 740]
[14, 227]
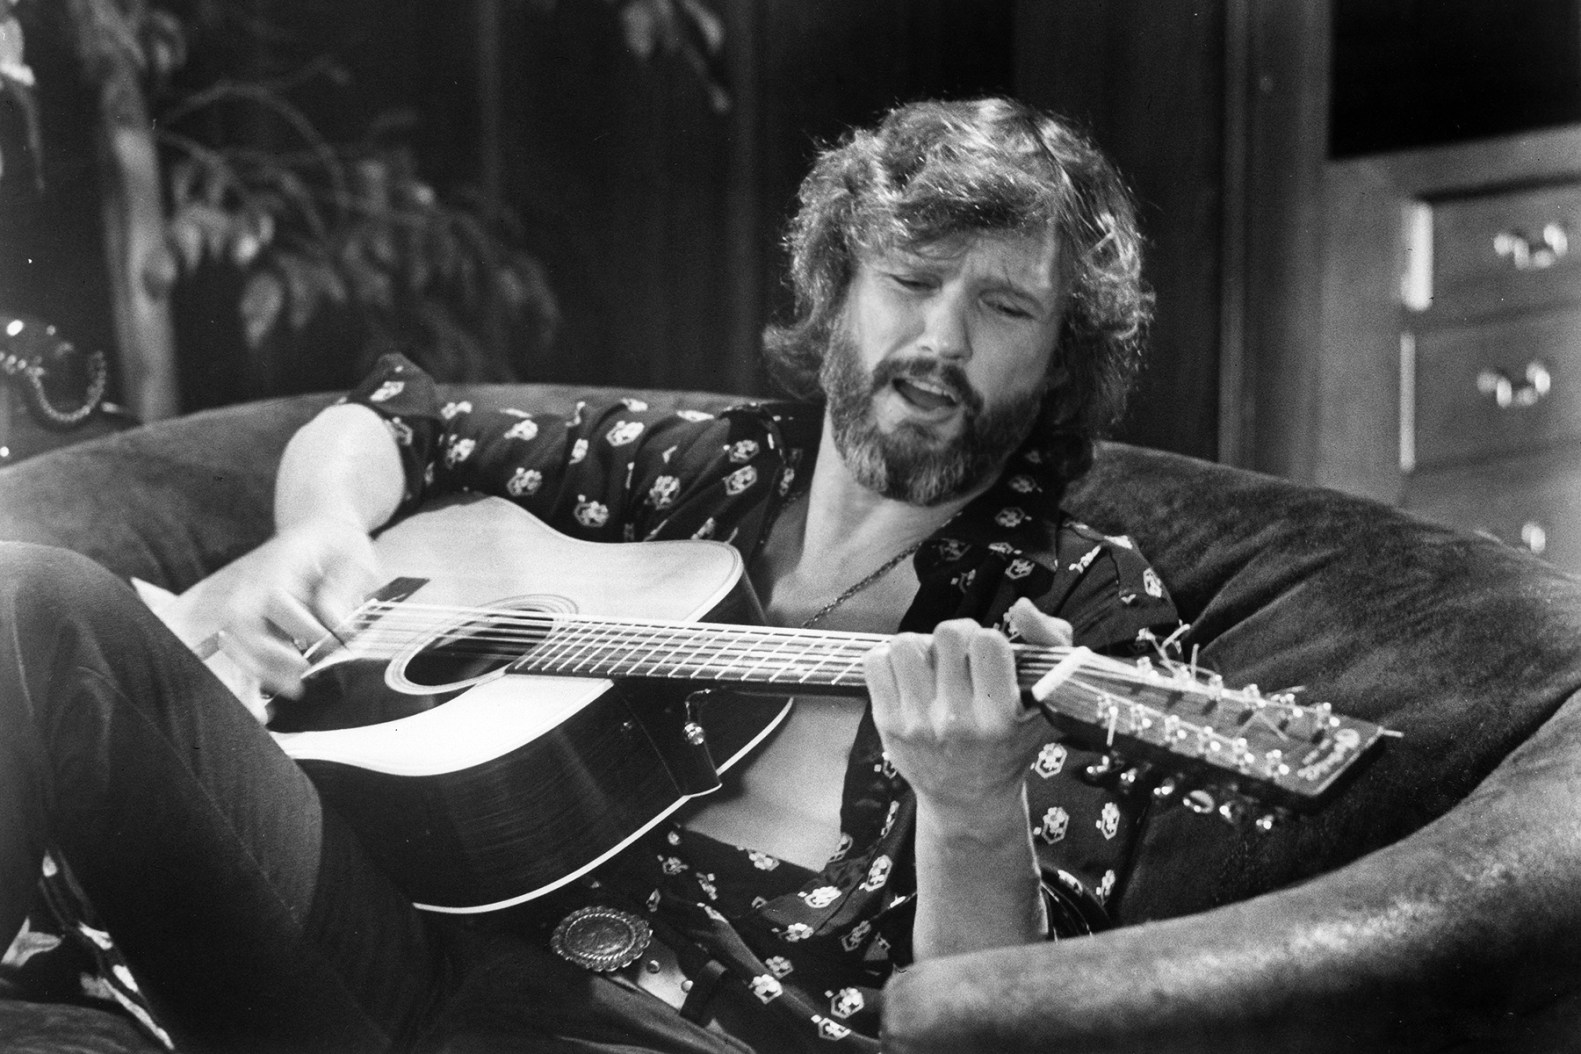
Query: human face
[939, 363]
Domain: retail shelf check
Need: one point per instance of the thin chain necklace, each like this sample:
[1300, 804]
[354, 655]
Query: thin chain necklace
[883, 569]
[888, 566]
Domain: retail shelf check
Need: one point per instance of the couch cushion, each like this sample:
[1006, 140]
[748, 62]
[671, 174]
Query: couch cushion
[62, 1028]
[1464, 645]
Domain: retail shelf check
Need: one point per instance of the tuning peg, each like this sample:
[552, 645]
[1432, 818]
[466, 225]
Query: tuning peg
[1103, 767]
[1166, 789]
[1233, 811]
[1198, 801]
[1274, 763]
[1266, 822]
[1133, 777]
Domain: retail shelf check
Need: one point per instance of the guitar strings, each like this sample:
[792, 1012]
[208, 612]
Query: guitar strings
[568, 641]
[586, 640]
[792, 657]
[1104, 696]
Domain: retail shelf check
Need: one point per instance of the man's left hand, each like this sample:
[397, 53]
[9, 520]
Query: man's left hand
[948, 707]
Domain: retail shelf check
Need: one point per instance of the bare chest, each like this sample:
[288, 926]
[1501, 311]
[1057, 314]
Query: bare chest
[785, 799]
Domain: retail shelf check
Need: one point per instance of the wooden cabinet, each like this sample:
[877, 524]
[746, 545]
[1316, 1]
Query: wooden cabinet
[1366, 224]
[1450, 334]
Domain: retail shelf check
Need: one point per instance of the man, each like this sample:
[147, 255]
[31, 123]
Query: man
[969, 311]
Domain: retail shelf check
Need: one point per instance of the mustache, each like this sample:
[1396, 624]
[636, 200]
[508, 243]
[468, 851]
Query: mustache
[946, 375]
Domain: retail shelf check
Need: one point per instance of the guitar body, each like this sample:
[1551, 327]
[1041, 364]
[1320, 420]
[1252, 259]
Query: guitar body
[476, 788]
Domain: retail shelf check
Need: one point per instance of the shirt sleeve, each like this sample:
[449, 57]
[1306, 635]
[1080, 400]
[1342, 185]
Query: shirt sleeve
[1107, 590]
[618, 471]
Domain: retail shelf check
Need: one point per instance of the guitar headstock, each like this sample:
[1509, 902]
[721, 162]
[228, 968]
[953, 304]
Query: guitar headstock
[1233, 751]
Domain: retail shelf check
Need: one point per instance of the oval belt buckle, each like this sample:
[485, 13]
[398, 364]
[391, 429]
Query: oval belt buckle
[601, 939]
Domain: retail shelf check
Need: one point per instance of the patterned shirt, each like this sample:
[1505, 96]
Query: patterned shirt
[814, 945]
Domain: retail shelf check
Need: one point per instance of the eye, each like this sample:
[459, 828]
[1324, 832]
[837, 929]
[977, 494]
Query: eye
[910, 281]
[1009, 309]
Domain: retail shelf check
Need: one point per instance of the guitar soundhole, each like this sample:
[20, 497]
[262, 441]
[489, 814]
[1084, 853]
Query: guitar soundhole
[481, 646]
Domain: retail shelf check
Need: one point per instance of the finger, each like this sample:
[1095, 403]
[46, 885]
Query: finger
[882, 688]
[295, 620]
[911, 658]
[954, 687]
[993, 666]
[276, 665]
[343, 589]
[1039, 628]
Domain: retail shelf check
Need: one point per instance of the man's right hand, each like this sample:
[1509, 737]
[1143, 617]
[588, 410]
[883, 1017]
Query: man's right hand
[298, 588]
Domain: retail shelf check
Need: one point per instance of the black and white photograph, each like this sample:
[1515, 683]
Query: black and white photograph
[784, 526]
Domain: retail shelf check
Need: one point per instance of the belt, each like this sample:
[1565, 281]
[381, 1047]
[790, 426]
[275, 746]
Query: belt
[624, 947]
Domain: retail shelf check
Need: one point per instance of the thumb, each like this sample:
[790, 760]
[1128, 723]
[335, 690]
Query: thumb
[349, 575]
[1035, 627]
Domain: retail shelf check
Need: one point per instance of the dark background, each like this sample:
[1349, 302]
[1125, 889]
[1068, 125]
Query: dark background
[658, 217]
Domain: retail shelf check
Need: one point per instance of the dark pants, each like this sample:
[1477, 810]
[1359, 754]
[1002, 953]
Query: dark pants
[250, 915]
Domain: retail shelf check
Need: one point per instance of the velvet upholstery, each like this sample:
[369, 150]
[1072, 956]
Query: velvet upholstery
[1431, 907]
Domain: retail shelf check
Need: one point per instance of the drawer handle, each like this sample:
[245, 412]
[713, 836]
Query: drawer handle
[1534, 537]
[1507, 392]
[1526, 253]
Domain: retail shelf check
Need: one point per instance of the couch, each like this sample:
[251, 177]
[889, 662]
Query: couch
[1433, 906]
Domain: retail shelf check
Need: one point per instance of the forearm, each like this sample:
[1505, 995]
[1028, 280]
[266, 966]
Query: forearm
[341, 465]
[978, 883]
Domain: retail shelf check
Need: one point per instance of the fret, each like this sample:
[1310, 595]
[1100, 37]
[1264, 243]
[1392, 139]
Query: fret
[627, 660]
[578, 661]
[548, 657]
[693, 657]
[719, 665]
[738, 660]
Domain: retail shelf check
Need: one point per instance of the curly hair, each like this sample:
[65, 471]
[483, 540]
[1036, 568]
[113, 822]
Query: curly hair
[933, 170]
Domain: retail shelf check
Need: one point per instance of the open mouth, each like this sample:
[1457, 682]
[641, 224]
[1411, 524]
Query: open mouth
[927, 396]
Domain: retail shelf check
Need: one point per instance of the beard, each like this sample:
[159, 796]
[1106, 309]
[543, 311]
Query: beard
[910, 463]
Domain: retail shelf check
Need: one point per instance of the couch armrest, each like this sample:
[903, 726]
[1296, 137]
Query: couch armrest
[173, 501]
[1465, 936]
[168, 502]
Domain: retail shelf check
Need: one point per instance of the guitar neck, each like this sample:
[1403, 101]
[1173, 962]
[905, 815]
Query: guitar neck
[763, 658]
[1267, 746]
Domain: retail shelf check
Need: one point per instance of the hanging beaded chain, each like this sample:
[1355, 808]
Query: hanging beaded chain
[852, 590]
[32, 371]
[886, 568]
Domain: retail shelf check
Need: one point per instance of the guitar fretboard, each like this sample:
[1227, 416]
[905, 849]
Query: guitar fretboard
[1270, 746]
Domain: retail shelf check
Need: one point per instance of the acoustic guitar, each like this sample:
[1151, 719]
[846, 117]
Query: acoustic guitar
[517, 706]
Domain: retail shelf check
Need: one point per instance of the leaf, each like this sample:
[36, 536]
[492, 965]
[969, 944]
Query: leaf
[165, 42]
[212, 226]
[263, 297]
[22, 95]
[186, 242]
[185, 174]
[303, 292]
[13, 65]
[368, 284]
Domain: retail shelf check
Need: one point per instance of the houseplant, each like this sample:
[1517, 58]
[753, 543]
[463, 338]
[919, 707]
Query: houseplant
[221, 185]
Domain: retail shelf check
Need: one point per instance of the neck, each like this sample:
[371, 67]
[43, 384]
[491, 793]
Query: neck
[843, 536]
[844, 518]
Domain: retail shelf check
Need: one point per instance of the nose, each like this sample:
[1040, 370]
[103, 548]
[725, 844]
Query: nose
[944, 328]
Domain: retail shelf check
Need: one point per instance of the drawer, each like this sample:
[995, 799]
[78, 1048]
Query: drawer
[1531, 502]
[1506, 386]
[1512, 249]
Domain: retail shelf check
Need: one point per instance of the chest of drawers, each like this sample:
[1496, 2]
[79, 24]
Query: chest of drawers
[1454, 292]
